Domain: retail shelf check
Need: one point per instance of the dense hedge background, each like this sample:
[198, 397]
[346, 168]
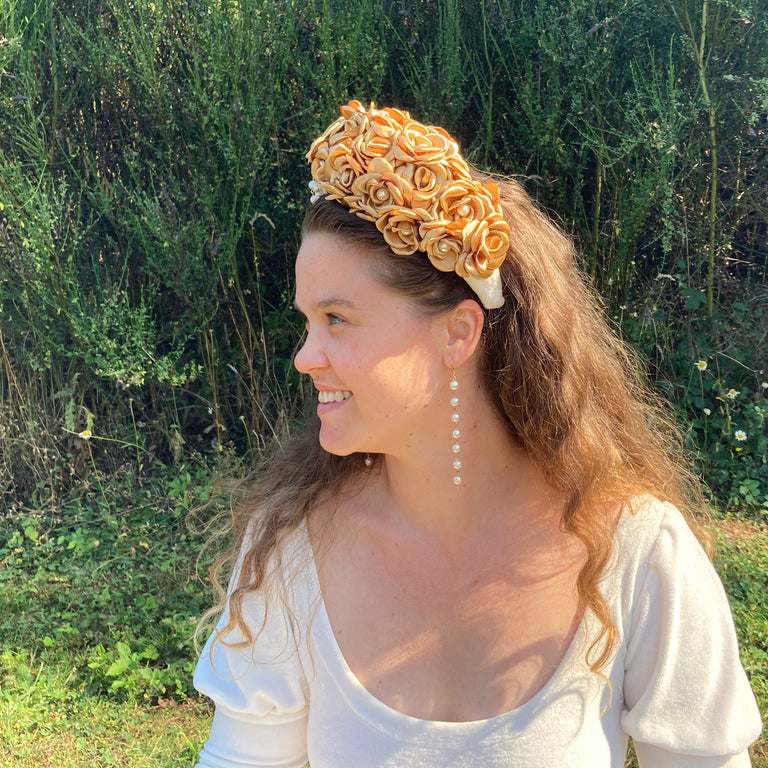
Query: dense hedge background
[152, 178]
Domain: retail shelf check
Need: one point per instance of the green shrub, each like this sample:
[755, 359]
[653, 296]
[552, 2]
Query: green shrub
[713, 370]
[152, 178]
[110, 579]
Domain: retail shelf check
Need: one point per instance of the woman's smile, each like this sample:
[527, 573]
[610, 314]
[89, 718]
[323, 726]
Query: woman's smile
[330, 396]
[331, 400]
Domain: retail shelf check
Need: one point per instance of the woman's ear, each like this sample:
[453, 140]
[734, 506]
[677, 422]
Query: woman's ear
[464, 325]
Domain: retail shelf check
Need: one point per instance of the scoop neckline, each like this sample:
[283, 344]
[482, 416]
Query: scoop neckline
[381, 714]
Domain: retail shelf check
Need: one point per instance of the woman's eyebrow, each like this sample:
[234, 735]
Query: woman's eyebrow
[333, 301]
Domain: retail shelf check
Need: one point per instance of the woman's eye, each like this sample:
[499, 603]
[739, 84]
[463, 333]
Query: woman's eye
[334, 319]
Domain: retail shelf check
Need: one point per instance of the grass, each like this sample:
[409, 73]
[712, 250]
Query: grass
[95, 731]
[95, 641]
[742, 560]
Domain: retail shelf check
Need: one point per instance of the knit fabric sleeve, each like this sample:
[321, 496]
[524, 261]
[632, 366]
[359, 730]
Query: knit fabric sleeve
[687, 700]
[259, 690]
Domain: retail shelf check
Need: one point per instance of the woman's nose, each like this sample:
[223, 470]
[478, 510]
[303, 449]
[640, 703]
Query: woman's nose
[310, 356]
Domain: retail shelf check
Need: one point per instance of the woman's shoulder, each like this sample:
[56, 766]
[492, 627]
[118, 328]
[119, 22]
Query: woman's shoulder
[291, 574]
[653, 538]
[645, 519]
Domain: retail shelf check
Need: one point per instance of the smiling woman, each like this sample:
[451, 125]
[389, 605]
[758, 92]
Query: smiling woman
[482, 551]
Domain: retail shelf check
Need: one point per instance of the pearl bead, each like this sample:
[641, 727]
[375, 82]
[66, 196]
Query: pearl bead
[454, 417]
[465, 211]
[442, 247]
[456, 434]
[456, 447]
[457, 464]
[382, 194]
[457, 480]
[454, 385]
[454, 401]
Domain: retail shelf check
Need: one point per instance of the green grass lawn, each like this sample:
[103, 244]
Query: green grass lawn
[98, 732]
[741, 558]
[97, 610]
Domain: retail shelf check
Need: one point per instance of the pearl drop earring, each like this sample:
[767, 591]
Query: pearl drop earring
[456, 433]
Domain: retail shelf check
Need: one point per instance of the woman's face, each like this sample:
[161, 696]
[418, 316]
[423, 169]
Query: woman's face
[375, 360]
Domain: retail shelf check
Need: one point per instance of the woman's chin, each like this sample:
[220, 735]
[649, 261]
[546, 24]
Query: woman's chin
[336, 447]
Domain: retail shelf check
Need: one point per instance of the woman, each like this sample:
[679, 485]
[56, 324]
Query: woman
[478, 556]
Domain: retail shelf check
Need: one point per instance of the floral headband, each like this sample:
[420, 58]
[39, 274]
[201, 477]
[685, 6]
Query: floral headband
[410, 180]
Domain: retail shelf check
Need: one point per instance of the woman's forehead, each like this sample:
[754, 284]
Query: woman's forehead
[332, 267]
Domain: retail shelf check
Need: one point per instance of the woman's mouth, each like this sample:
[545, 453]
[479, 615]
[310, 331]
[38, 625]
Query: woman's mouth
[326, 396]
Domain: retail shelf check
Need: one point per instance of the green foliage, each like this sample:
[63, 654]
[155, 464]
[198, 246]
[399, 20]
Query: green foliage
[111, 580]
[152, 179]
[712, 369]
[45, 720]
[742, 561]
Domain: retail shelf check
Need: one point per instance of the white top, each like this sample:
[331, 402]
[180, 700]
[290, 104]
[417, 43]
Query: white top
[679, 689]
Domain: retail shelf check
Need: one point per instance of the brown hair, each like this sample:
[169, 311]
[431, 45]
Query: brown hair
[570, 391]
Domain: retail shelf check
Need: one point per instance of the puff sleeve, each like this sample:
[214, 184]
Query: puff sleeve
[260, 691]
[687, 700]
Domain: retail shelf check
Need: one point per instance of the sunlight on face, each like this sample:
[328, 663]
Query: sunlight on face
[376, 361]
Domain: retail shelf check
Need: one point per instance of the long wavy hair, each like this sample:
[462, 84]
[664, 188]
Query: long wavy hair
[571, 393]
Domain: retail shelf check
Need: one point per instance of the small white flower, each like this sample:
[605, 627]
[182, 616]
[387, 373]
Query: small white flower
[702, 365]
[764, 385]
[85, 434]
[740, 435]
[707, 412]
[732, 393]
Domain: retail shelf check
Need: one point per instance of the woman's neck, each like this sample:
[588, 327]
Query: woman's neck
[500, 485]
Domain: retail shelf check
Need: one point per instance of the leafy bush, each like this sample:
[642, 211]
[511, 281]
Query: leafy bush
[713, 370]
[743, 565]
[111, 579]
[153, 178]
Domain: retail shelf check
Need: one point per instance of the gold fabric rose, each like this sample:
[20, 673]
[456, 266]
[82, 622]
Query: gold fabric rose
[352, 110]
[417, 143]
[425, 180]
[377, 189]
[378, 138]
[352, 123]
[486, 242]
[400, 227]
[342, 169]
[462, 199]
[443, 243]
